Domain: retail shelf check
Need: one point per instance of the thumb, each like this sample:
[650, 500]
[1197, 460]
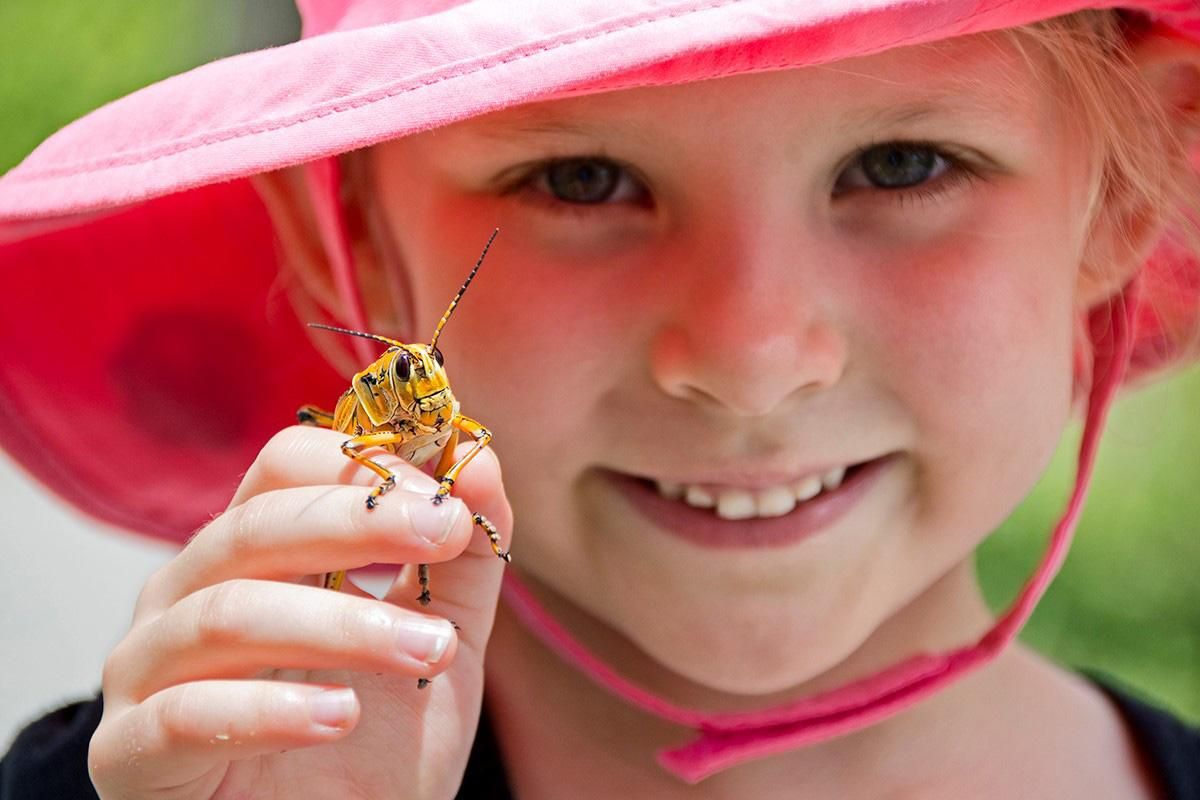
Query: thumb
[466, 589]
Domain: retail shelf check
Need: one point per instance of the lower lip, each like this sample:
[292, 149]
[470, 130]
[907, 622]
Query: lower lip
[701, 526]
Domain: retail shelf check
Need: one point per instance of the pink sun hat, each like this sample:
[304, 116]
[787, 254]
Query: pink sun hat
[149, 350]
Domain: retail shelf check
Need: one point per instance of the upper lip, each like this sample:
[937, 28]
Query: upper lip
[755, 477]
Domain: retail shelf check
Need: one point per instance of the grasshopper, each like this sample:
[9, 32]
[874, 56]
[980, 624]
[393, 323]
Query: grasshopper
[403, 404]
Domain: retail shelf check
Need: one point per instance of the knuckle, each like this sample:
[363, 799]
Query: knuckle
[346, 629]
[288, 446]
[111, 672]
[285, 444]
[101, 758]
[152, 590]
[243, 526]
[174, 712]
[218, 619]
[265, 466]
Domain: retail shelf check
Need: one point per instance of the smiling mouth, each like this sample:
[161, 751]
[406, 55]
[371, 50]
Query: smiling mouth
[735, 503]
[783, 520]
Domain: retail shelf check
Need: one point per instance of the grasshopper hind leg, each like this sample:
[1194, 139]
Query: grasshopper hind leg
[423, 579]
[492, 534]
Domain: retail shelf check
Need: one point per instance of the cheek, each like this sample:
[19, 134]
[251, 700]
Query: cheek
[540, 359]
[979, 351]
[537, 351]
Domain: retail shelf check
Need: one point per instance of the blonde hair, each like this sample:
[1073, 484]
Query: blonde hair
[1140, 167]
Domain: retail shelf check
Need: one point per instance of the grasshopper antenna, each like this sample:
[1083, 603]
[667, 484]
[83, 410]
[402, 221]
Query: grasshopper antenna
[374, 336]
[461, 291]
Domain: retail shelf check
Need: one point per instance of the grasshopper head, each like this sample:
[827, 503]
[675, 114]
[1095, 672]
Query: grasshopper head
[415, 378]
[422, 385]
[421, 369]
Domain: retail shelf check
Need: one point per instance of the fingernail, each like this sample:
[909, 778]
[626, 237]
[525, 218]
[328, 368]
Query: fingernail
[433, 521]
[423, 639]
[332, 708]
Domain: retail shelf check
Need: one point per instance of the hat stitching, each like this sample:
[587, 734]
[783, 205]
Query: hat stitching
[148, 155]
[352, 103]
[635, 83]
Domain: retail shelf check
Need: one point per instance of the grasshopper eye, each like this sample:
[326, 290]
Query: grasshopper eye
[403, 367]
[437, 355]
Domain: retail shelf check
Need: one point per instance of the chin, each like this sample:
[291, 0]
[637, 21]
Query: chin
[756, 655]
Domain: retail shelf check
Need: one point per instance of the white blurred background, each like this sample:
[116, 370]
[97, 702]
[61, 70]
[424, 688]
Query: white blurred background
[69, 588]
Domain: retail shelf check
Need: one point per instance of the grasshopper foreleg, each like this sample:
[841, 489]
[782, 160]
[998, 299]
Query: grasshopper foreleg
[448, 469]
[353, 449]
[311, 415]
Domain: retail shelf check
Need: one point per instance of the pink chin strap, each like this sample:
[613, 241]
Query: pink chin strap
[727, 739]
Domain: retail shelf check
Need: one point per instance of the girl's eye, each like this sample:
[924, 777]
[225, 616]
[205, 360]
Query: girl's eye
[899, 166]
[585, 181]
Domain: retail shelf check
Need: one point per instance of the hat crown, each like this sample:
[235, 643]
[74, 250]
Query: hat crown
[326, 16]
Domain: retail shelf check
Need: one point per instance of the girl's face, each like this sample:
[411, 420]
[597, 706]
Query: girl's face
[736, 284]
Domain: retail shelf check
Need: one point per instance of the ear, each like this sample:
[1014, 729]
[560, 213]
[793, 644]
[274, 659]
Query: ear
[286, 198]
[1169, 64]
[286, 195]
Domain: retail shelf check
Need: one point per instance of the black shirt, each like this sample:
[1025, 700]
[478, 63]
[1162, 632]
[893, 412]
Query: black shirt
[48, 759]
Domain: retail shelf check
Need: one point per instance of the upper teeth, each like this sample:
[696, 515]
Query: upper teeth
[733, 503]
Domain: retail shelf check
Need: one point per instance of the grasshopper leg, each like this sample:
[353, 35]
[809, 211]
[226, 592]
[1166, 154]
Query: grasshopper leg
[448, 469]
[352, 448]
[388, 484]
[492, 534]
[311, 415]
[423, 579]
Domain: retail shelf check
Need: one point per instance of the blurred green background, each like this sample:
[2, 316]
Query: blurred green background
[1127, 601]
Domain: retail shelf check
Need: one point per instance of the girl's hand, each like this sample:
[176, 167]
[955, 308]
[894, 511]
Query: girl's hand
[228, 682]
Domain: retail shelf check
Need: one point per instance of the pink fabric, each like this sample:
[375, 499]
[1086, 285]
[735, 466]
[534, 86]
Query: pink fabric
[351, 88]
[117, 385]
[324, 179]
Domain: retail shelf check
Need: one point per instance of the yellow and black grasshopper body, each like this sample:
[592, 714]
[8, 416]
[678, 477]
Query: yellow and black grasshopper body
[403, 403]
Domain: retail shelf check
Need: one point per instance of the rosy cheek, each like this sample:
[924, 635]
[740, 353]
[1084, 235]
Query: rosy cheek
[978, 335]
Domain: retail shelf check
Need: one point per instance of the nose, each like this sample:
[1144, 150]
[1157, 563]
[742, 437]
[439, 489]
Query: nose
[744, 338]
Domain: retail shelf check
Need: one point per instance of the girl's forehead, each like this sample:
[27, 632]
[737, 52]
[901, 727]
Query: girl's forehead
[980, 80]
[981, 73]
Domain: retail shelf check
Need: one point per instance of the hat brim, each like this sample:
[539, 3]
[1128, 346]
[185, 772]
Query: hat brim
[138, 384]
[349, 89]
[142, 392]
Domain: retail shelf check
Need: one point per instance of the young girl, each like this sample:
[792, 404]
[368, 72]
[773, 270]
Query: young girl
[789, 307]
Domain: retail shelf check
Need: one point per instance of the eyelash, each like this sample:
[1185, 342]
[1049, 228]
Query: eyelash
[957, 173]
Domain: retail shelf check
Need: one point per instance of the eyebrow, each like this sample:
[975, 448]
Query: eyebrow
[981, 109]
[534, 122]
